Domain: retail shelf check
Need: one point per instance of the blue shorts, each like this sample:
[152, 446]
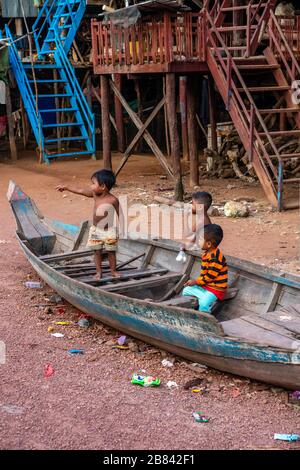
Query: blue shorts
[206, 298]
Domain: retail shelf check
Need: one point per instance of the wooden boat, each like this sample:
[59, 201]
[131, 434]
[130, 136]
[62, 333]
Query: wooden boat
[254, 333]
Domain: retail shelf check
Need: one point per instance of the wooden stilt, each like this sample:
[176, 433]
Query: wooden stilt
[139, 109]
[89, 88]
[119, 115]
[175, 149]
[183, 115]
[166, 120]
[24, 124]
[192, 131]
[282, 121]
[104, 83]
[12, 141]
[212, 114]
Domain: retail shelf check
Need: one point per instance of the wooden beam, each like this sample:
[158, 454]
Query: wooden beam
[154, 281]
[134, 274]
[192, 130]
[98, 98]
[65, 256]
[148, 138]
[106, 137]
[212, 114]
[175, 150]
[183, 116]
[79, 236]
[166, 120]
[119, 115]
[273, 298]
[140, 133]
[11, 135]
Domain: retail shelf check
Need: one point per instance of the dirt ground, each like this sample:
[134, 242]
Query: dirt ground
[89, 402]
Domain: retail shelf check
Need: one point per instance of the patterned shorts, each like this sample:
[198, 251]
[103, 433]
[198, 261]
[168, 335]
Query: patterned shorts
[100, 239]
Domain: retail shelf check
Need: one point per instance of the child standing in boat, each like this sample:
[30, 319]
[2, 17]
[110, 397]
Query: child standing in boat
[204, 199]
[104, 231]
[211, 285]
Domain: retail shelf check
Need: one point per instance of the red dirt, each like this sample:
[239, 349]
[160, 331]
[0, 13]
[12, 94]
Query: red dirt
[89, 402]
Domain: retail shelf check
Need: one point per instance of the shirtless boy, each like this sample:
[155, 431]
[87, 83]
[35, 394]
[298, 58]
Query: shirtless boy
[103, 233]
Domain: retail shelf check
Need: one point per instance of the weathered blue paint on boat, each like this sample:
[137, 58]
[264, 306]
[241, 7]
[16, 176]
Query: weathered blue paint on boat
[72, 230]
[167, 325]
[183, 331]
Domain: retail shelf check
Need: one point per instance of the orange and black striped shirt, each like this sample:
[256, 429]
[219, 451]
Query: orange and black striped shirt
[214, 273]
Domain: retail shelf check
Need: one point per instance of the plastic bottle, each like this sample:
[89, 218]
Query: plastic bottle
[181, 257]
[33, 284]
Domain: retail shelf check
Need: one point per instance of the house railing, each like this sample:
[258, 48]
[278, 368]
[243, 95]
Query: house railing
[170, 38]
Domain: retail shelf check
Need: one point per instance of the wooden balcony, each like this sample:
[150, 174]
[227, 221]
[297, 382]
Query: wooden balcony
[170, 42]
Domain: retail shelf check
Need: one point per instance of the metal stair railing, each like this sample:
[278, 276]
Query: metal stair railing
[83, 106]
[43, 23]
[49, 17]
[282, 49]
[25, 90]
[226, 67]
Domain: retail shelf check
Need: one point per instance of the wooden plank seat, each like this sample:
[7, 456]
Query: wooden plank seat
[265, 335]
[153, 281]
[92, 271]
[137, 274]
[66, 256]
[287, 318]
[192, 302]
[183, 301]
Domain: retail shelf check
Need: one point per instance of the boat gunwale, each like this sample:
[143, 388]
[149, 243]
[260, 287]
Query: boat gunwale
[177, 310]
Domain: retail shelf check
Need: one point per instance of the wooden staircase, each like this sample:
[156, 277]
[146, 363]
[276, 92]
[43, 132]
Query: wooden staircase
[257, 68]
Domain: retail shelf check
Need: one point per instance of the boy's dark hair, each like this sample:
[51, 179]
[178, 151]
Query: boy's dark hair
[106, 177]
[203, 198]
[213, 233]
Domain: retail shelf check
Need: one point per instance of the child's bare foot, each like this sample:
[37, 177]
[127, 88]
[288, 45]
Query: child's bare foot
[98, 276]
[115, 274]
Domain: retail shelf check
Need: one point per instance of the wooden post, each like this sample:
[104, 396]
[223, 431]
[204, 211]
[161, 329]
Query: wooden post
[24, 124]
[139, 108]
[89, 91]
[212, 114]
[282, 121]
[192, 130]
[11, 134]
[175, 149]
[104, 84]
[119, 115]
[183, 115]
[166, 120]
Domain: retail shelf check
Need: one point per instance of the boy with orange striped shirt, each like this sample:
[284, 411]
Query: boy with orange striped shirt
[211, 285]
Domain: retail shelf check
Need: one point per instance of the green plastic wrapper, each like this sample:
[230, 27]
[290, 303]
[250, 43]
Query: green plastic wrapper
[145, 381]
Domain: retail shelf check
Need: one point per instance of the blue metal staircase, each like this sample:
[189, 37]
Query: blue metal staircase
[59, 104]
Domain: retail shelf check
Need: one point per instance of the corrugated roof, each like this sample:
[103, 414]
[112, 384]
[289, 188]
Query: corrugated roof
[130, 15]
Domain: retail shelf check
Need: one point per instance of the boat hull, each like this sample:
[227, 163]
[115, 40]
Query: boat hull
[178, 331]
